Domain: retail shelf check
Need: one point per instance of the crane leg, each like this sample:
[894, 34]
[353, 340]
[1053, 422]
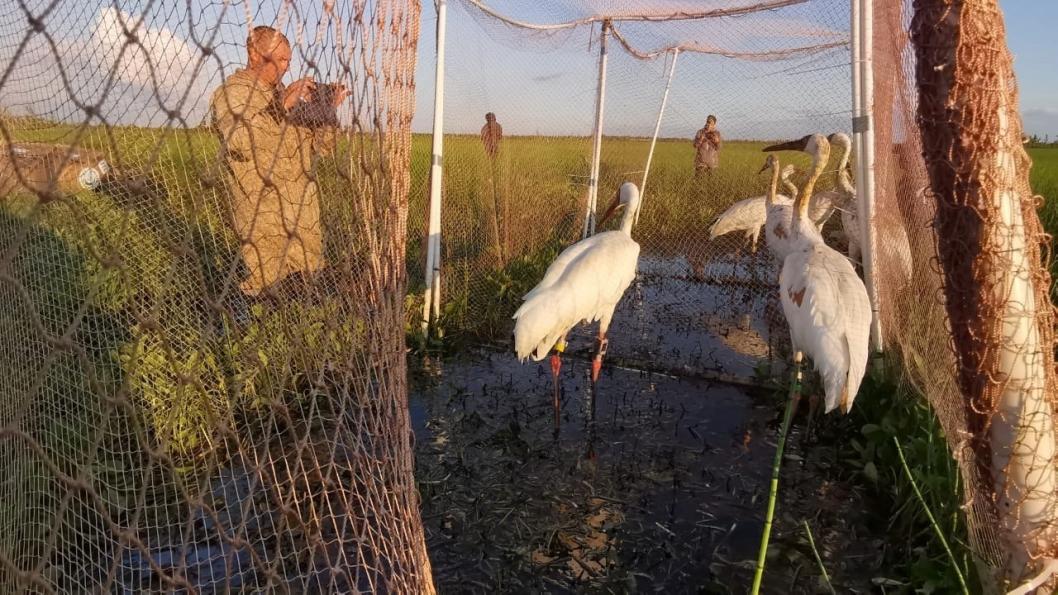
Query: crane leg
[813, 408]
[556, 367]
[600, 351]
[795, 382]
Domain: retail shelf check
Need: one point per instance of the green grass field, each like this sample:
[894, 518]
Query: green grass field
[1044, 180]
[502, 221]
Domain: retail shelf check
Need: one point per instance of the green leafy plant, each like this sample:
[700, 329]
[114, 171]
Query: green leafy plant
[930, 485]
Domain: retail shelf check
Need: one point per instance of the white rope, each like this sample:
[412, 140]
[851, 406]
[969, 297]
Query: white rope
[671, 16]
[699, 48]
[1045, 575]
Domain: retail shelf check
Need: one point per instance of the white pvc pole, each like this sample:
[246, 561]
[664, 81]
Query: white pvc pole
[432, 298]
[857, 98]
[600, 101]
[657, 129]
[866, 200]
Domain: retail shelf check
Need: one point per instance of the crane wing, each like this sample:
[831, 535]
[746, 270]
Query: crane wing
[588, 288]
[744, 215]
[595, 280]
[559, 265]
[811, 289]
[856, 311]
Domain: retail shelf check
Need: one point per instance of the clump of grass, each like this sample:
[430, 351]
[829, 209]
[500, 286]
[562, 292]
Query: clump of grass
[929, 485]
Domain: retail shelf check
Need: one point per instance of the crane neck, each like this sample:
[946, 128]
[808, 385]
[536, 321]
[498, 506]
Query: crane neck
[843, 181]
[773, 186]
[629, 217]
[819, 161]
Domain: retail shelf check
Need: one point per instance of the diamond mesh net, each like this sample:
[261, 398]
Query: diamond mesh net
[996, 291]
[161, 428]
[536, 68]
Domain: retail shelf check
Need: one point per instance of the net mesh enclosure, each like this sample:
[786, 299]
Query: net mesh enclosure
[202, 301]
[993, 254]
[517, 194]
[507, 212]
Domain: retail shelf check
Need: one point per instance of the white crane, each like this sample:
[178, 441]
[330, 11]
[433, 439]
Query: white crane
[584, 283]
[843, 183]
[748, 215]
[825, 303]
[896, 238]
[778, 223]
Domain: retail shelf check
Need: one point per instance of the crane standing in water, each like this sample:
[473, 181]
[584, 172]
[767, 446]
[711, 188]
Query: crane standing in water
[584, 283]
[748, 214]
[825, 302]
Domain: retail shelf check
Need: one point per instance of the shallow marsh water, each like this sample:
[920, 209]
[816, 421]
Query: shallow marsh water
[663, 487]
[666, 490]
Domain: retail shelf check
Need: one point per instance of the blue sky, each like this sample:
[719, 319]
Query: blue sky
[546, 83]
[547, 86]
[536, 84]
[1031, 37]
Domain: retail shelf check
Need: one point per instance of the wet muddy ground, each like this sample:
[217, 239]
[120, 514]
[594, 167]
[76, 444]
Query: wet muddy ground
[662, 489]
[721, 318]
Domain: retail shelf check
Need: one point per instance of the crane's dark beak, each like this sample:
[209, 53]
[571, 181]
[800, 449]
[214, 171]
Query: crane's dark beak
[794, 145]
[764, 168]
[610, 210]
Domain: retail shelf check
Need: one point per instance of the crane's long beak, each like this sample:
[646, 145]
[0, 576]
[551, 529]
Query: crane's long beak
[794, 145]
[765, 167]
[610, 210]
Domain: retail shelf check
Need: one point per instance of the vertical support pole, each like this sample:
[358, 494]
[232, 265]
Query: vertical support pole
[432, 298]
[867, 220]
[857, 97]
[657, 129]
[596, 154]
[862, 45]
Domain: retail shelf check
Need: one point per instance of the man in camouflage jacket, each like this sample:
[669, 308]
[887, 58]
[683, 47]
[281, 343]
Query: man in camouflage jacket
[269, 163]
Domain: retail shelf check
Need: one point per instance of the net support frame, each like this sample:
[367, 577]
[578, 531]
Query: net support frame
[596, 151]
[431, 308]
[862, 17]
[657, 129]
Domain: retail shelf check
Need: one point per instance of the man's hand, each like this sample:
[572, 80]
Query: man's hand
[299, 90]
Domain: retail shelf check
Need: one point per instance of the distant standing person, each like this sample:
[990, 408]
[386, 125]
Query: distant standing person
[491, 135]
[707, 147]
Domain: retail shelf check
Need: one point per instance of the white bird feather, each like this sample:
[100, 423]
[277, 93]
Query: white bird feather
[896, 239]
[748, 215]
[778, 223]
[584, 283]
[824, 300]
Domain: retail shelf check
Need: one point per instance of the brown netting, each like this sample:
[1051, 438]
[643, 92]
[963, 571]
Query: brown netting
[159, 430]
[990, 246]
[914, 321]
[974, 325]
